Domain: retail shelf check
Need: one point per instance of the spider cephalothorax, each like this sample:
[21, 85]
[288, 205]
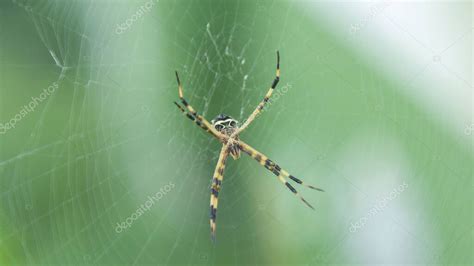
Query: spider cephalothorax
[228, 125]
[225, 124]
[226, 130]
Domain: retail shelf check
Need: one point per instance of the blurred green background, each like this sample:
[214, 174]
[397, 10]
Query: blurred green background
[374, 106]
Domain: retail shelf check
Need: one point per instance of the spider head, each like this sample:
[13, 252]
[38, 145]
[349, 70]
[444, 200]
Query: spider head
[224, 123]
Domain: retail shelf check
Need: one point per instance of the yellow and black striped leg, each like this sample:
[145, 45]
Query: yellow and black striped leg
[216, 187]
[262, 104]
[201, 125]
[276, 170]
[193, 112]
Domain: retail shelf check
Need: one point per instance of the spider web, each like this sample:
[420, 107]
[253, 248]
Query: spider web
[110, 138]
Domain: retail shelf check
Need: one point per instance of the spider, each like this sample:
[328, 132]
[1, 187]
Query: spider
[227, 130]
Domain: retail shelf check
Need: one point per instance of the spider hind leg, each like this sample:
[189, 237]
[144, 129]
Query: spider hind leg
[216, 187]
[276, 170]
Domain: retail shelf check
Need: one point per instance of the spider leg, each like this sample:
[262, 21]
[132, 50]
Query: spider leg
[216, 187]
[276, 170]
[193, 112]
[197, 122]
[262, 104]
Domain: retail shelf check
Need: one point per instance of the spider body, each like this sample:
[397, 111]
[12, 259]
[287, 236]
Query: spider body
[228, 126]
[226, 130]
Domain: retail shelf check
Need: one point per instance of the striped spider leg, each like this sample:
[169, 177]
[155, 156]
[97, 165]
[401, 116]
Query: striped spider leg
[198, 123]
[193, 112]
[262, 104]
[219, 123]
[216, 187]
[276, 170]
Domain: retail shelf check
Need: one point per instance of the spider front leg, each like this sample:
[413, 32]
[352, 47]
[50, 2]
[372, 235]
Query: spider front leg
[262, 104]
[193, 112]
[276, 170]
[197, 122]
